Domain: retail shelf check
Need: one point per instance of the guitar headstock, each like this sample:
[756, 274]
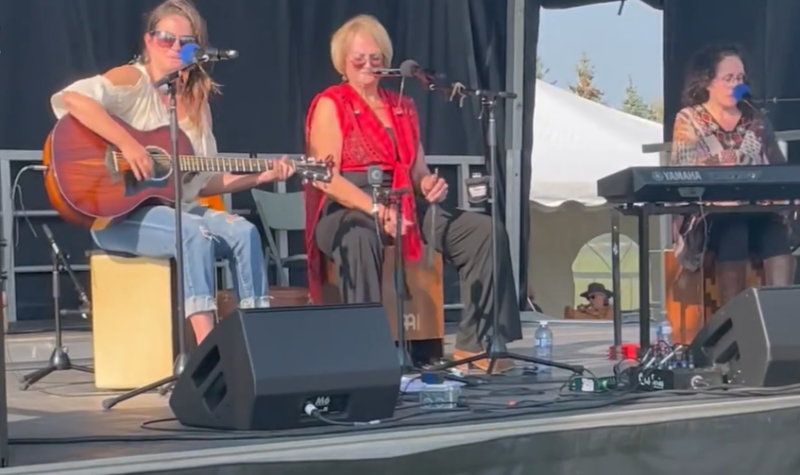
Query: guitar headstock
[314, 169]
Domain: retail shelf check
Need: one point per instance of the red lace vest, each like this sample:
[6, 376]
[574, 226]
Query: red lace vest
[366, 142]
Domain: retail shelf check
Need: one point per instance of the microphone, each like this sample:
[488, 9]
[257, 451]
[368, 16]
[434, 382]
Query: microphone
[375, 179]
[409, 69]
[192, 54]
[49, 234]
[743, 95]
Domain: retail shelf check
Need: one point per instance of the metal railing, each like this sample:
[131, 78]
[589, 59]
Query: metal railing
[10, 214]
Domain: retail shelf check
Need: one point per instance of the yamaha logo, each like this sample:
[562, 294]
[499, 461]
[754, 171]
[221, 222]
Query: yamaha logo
[678, 175]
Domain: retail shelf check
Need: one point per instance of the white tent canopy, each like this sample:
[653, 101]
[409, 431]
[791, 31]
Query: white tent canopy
[575, 143]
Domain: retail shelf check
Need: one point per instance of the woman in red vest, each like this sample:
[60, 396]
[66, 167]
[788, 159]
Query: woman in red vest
[360, 125]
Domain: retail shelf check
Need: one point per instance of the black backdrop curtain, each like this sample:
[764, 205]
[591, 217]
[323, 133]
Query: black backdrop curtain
[767, 31]
[284, 61]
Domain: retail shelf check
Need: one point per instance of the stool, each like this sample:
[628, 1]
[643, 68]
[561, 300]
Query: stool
[424, 310]
[132, 322]
[135, 334]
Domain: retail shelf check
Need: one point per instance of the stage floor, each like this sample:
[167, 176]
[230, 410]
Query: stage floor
[66, 406]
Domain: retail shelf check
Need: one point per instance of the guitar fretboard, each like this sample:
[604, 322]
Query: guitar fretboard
[189, 163]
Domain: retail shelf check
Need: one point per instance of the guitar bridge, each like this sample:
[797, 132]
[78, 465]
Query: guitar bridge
[111, 165]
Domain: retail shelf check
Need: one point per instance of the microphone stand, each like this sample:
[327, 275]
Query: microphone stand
[170, 80]
[497, 348]
[394, 199]
[59, 358]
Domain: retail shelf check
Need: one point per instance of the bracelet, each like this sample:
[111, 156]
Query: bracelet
[376, 209]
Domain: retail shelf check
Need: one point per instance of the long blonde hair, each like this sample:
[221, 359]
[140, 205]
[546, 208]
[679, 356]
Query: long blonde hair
[196, 87]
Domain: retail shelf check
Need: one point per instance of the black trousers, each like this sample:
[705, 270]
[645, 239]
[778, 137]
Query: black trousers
[463, 238]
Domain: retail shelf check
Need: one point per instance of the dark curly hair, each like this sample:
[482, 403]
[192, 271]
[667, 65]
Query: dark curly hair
[702, 69]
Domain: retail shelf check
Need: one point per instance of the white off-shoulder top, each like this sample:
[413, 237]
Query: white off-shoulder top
[141, 107]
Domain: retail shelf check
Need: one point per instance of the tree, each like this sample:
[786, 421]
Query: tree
[657, 111]
[633, 103]
[541, 70]
[585, 87]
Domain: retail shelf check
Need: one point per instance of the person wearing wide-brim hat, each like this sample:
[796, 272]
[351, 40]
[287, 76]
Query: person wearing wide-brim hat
[597, 295]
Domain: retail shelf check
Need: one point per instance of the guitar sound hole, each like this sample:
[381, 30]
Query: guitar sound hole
[162, 166]
[162, 171]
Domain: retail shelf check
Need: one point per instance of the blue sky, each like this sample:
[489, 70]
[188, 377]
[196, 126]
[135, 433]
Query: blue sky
[619, 46]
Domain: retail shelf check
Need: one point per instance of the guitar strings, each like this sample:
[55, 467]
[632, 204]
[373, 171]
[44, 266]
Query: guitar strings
[246, 163]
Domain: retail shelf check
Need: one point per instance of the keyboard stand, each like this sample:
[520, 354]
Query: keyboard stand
[643, 212]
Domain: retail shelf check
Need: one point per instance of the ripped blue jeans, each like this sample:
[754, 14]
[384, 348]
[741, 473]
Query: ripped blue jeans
[208, 235]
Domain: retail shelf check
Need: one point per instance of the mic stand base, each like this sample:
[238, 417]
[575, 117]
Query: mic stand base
[167, 382]
[177, 369]
[498, 350]
[59, 361]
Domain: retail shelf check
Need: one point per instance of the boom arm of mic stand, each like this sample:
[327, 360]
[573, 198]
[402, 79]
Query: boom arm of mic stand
[62, 259]
[458, 90]
[173, 76]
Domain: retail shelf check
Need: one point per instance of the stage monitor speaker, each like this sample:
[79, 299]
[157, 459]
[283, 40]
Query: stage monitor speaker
[258, 369]
[755, 336]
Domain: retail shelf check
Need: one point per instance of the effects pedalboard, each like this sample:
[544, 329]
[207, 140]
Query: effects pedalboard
[661, 368]
[652, 379]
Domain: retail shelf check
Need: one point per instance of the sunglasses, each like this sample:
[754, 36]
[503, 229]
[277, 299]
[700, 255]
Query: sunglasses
[166, 39]
[361, 60]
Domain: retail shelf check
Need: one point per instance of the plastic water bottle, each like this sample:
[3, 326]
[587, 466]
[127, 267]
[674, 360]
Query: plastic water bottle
[664, 332]
[543, 348]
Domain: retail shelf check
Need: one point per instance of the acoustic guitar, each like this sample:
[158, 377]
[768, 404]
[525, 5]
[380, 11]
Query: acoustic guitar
[87, 178]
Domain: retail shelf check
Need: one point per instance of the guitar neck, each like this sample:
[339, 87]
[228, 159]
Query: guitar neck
[190, 163]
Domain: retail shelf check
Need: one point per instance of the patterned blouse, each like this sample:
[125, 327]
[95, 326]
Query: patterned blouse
[698, 139]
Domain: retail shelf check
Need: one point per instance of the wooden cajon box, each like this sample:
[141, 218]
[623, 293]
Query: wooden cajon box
[693, 297]
[132, 320]
[424, 310]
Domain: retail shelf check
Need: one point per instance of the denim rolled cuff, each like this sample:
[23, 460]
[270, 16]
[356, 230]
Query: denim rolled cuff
[200, 304]
[255, 302]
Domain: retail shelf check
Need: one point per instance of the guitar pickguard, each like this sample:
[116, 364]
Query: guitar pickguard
[162, 174]
[134, 186]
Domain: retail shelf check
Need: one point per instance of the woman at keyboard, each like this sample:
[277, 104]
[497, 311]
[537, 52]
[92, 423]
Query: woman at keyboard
[714, 129]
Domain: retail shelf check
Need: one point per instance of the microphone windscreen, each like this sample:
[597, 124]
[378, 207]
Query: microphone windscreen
[741, 92]
[187, 52]
[409, 68]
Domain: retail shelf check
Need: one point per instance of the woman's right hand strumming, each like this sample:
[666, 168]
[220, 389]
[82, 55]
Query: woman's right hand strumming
[139, 160]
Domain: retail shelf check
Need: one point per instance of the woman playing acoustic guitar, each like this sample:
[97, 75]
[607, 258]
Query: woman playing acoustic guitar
[127, 93]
